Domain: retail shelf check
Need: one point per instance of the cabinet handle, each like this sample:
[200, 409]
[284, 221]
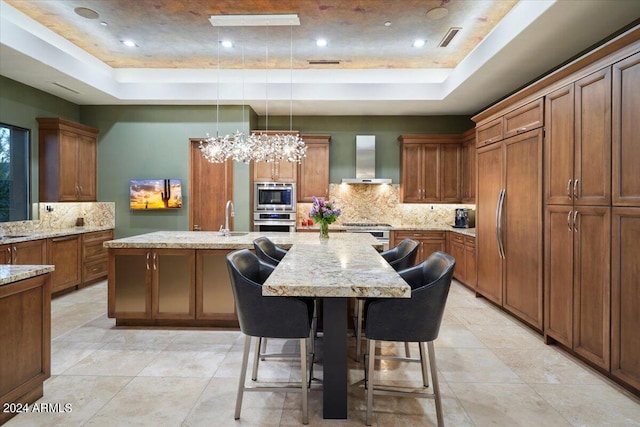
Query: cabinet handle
[569, 188]
[155, 257]
[147, 257]
[488, 141]
[15, 255]
[499, 209]
[575, 188]
[10, 257]
[575, 215]
[81, 190]
[569, 220]
[521, 130]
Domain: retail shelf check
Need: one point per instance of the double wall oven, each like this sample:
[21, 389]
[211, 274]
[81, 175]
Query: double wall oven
[274, 206]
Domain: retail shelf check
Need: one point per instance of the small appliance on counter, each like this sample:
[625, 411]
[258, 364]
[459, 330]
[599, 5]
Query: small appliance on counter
[465, 218]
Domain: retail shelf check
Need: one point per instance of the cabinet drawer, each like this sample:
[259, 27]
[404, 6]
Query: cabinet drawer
[457, 238]
[470, 242]
[489, 133]
[101, 236]
[94, 250]
[524, 119]
[407, 234]
[94, 270]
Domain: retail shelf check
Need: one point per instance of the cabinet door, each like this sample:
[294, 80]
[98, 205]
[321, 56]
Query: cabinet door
[285, 171]
[592, 274]
[559, 146]
[626, 132]
[522, 222]
[468, 171]
[313, 173]
[488, 258]
[68, 168]
[412, 176]
[6, 252]
[214, 296]
[173, 284]
[32, 252]
[450, 173]
[430, 169]
[625, 296]
[559, 273]
[263, 172]
[470, 261]
[129, 283]
[593, 139]
[429, 246]
[66, 254]
[457, 251]
[86, 177]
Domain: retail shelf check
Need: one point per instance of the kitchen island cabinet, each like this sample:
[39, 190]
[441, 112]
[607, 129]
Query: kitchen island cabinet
[31, 252]
[25, 328]
[180, 278]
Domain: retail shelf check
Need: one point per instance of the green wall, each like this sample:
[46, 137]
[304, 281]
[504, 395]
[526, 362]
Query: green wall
[20, 105]
[152, 141]
[343, 131]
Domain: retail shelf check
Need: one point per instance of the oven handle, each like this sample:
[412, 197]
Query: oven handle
[287, 223]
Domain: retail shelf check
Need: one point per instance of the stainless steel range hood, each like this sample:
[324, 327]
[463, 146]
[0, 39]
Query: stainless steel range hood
[366, 162]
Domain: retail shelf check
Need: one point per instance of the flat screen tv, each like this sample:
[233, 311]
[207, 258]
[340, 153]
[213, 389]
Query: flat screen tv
[147, 194]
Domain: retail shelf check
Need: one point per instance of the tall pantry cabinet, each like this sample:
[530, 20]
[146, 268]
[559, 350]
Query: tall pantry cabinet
[578, 216]
[625, 227]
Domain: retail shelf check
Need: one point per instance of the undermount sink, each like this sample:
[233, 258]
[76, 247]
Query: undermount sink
[236, 233]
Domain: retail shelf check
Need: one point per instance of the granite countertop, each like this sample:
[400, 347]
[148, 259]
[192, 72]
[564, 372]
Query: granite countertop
[336, 269]
[465, 231]
[14, 273]
[23, 236]
[240, 240]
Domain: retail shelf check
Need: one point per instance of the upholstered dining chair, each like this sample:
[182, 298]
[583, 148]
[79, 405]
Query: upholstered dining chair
[273, 317]
[268, 251]
[400, 257]
[415, 319]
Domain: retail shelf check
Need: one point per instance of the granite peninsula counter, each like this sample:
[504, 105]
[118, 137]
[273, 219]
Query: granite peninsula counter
[25, 328]
[180, 278]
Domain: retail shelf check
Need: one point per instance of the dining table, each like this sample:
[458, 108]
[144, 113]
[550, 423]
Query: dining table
[335, 269]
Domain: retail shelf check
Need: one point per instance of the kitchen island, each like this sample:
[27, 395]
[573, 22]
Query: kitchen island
[25, 328]
[180, 278]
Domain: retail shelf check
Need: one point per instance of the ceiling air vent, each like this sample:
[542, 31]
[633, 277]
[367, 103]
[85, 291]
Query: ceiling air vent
[65, 87]
[323, 62]
[449, 36]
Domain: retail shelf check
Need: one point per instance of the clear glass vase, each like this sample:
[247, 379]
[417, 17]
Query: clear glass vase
[324, 230]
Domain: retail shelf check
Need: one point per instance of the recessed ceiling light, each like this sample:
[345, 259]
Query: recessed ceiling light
[226, 43]
[104, 24]
[85, 12]
[418, 43]
[321, 42]
[129, 43]
[437, 13]
[387, 24]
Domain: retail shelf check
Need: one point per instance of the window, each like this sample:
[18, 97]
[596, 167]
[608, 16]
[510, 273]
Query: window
[14, 173]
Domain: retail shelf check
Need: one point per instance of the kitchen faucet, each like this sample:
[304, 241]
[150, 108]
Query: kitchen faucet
[226, 231]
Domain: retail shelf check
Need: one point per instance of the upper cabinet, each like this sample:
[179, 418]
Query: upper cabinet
[281, 171]
[625, 131]
[313, 171]
[430, 168]
[67, 161]
[468, 167]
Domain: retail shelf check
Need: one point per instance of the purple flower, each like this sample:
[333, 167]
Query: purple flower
[323, 211]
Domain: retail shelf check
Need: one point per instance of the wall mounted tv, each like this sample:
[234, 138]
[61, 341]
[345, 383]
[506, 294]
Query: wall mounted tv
[147, 194]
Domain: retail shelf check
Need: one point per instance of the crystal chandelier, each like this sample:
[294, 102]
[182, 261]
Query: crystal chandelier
[259, 146]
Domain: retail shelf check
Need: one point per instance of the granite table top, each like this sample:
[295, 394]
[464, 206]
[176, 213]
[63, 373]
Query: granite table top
[238, 240]
[45, 233]
[335, 269]
[14, 273]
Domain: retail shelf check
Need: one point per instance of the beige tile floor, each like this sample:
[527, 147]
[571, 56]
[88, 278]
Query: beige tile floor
[493, 372]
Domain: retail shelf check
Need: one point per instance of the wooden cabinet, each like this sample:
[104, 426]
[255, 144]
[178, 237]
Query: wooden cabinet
[489, 133]
[509, 225]
[25, 353]
[282, 171]
[66, 254]
[170, 287]
[430, 168]
[625, 295]
[67, 161]
[430, 241]
[468, 167]
[524, 119]
[313, 171]
[559, 146]
[31, 252]
[95, 257]
[463, 249]
[152, 285]
[577, 285]
[625, 132]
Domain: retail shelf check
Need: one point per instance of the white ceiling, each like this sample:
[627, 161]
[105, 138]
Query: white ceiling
[532, 38]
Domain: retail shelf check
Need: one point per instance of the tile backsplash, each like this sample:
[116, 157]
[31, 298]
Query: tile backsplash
[64, 215]
[381, 204]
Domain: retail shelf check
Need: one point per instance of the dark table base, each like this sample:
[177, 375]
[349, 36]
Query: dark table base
[334, 387]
